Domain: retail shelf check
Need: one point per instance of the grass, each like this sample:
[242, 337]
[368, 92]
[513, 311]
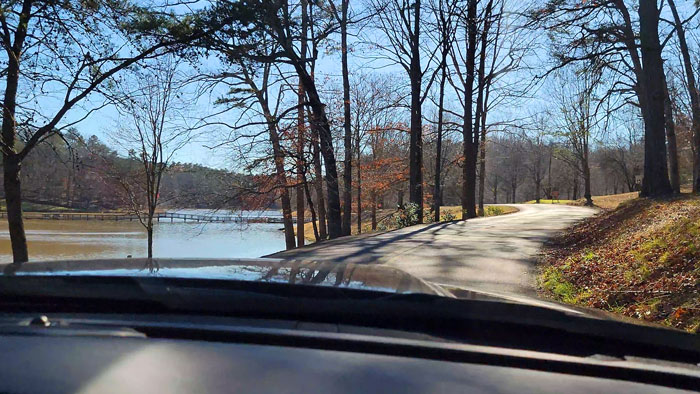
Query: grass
[33, 207]
[605, 202]
[490, 210]
[610, 201]
[385, 223]
[640, 259]
[543, 201]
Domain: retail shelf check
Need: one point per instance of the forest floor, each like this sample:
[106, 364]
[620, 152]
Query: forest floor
[640, 259]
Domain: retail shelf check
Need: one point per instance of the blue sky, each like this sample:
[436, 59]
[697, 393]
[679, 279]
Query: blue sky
[328, 66]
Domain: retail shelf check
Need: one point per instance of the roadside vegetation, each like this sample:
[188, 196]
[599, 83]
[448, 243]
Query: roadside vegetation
[641, 259]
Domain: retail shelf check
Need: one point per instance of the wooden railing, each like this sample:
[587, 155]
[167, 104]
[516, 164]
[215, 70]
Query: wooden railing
[171, 216]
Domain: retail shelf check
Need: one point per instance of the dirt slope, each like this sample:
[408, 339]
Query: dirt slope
[641, 259]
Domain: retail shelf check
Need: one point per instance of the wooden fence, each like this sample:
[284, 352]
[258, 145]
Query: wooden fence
[165, 216]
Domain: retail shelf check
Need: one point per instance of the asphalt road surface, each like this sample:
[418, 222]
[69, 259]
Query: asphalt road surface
[494, 254]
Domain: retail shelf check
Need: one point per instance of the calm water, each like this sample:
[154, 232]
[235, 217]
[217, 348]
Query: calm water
[63, 239]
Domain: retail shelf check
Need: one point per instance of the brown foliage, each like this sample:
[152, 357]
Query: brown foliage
[641, 259]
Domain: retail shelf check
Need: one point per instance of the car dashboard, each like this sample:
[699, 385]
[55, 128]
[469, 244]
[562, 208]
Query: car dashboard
[104, 353]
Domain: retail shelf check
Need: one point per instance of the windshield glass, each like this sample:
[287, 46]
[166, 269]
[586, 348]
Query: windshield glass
[527, 149]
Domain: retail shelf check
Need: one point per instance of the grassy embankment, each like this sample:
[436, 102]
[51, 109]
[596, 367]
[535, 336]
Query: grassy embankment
[639, 257]
[385, 220]
[30, 207]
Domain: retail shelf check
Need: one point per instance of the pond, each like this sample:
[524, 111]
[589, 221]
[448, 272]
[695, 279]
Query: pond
[96, 239]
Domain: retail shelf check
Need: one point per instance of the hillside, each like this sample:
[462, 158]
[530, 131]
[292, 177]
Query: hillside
[641, 259]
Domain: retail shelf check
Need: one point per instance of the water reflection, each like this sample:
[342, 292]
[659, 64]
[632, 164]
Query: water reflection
[66, 239]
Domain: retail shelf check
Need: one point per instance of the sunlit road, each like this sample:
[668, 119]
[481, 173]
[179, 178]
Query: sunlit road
[494, 254]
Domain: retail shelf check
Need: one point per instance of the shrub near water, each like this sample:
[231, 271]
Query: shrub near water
[641, 259]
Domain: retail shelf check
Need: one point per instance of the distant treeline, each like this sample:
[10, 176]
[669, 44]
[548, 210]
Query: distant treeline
[74, 172]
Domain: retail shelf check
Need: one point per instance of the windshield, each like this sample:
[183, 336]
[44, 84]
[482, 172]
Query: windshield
[524, 149]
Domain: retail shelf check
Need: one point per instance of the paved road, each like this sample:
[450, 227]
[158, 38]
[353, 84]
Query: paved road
[493, 254]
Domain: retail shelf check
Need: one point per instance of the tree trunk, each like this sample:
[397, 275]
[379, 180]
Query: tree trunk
[437, 193]
[320, 120]
[374, 210]
[495, 190]
[13, 201]
[347, 165]
[287, 219]
[149, 232]
[289, 240]
[278, 154]
[549, 174]
[671, 139]
[318, 185]
[300, 169]
[480, 119]
[482, 157]
[12, 163]
[587, 184]
[300, 131]
[692, 92]
[312, 209]
[656, 181]
[482, 171]
[469, 150]
[359, 183]
[416, 140]
[445, 49]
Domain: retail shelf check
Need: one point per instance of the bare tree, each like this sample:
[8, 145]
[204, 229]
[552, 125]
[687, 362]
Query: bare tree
[262, 96]
[278, 20]
[301, 123]
[605, 33]
[692, 87]
[466, 77]
[343, 20]
[445, 16]
[538, 153]
[514, 160]
[400, 21]
[74, 51]
[656, 181]
[152, 127]
[577, 106]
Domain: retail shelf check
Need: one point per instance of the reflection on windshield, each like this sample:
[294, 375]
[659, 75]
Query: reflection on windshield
[350, 276]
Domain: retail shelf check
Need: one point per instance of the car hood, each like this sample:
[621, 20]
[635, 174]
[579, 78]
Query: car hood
[331, 274]
[312, 273]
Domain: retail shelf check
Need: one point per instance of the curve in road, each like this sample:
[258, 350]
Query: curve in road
[493, 254]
